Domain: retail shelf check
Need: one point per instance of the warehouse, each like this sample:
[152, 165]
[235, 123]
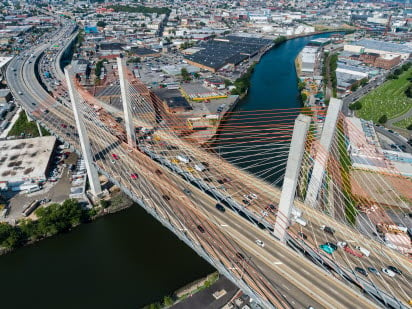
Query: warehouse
[379, 47]
[227, 50]
[25, 160]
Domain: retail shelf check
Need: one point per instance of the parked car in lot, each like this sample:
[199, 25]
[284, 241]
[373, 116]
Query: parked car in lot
[373, 270]
[134, 176]
[200, 228]
[327, 229]
[115, 156]
[302, 235]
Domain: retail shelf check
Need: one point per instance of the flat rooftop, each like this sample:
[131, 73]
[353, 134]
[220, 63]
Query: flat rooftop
[25, 159]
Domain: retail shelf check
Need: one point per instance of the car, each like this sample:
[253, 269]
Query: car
[327, 229]
[115, 156]
[200, 228]
[302, 235]
[63, 125]
[373, 270]
[33, 103]
[166, 197]
[20, 92]
[240, 256]
[388, 272]
[253, 196]
[395, 270]
[187, 191]
[134, 176]
[260, 243]
[158, 172]
[341, 244]
[361, 271]
[246, 202]
[332, 245]
[220, 207]
[326, 248]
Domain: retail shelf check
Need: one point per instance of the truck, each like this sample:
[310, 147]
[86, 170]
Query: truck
[353, 252]
[30, 208]
[363, 250]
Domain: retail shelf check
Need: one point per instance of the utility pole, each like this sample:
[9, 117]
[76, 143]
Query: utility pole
[326, 139]
[297, 148]
[84, 139]
[128, 117]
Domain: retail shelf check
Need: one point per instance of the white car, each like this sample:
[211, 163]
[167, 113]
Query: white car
[388, 272]
[254, 196]
[260, 243]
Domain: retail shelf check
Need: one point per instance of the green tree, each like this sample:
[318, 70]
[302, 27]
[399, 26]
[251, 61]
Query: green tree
[280, 40]
[383, 119]
[301, 85]
[104, 203]
[354, 87]
[167, 301]
[409, 127]
[408, 91]
[363, 81]
[303, 97]
[355, 106]
[101, 23]
[185, 74]
[397, 72]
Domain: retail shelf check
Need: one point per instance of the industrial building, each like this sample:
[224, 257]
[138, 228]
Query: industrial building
[25, 160]
[229, 50]
[307, 60]
[379, 47]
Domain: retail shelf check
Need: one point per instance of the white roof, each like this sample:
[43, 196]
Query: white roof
[4, 61]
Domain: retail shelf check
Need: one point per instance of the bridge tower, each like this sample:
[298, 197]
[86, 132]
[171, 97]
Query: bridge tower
[84, 139]
[326, 139]
[128, 118]
[297, 148]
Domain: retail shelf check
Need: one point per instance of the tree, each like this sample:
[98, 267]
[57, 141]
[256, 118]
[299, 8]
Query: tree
[383, 119]
[397, 72]
[363, 81]
[408, 91]
[185, 74]
[409, 127]
[301, 85]
[355, 106]
[101, 23]
[228, 83]
[104, 203]
[280, 40]
[196, 75]
[392, 76]
[354, 87]
[167, 301]
[303, 97]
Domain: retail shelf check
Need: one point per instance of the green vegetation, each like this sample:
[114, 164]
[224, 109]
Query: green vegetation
[139, 9]
[170, 300]
[101, 23]
[23, 127]
[355, 106]
[98, 69]
[345, 166]
[243, 82]
[52, 220]
[185, 45]
[185, 74]
[280, 40]
[134, 60]
[333, 64]
[383, 119]
[405, 123]
[389, 99]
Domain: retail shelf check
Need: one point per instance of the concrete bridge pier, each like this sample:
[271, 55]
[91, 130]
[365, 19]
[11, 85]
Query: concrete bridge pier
[92, 175]
[297, 148]
[128, 117]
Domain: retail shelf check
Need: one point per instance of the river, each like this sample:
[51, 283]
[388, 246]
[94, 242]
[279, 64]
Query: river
[127, 260]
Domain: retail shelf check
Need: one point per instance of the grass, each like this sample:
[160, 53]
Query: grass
[403, 123]
[23, 126]
[389, 99]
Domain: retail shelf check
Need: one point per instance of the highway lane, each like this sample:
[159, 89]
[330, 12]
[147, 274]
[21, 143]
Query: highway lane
[116, 150]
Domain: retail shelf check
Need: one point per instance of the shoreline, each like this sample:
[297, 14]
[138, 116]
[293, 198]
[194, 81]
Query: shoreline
[127, 203]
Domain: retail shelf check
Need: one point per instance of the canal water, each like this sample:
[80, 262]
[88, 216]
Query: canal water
[127, 260]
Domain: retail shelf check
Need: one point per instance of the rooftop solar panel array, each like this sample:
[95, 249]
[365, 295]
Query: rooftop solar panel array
[233, 49]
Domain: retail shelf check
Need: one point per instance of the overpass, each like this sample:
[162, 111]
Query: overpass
[275, 275]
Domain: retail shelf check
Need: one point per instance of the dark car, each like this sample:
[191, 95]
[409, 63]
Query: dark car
[361, 271]
[332, 245]
[200, 228]
[167, 198]
[34, 104]
[187, 191]
[395, 270]
[302, 235]
[246, 202]
[240, 255]
[220, 207]
[373, 270]
[158, 172]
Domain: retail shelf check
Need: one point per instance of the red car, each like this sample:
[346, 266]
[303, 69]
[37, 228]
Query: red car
[63, 125]
[115, 156]
[134, 176]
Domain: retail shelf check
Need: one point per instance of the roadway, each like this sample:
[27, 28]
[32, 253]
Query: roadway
[32, 93]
